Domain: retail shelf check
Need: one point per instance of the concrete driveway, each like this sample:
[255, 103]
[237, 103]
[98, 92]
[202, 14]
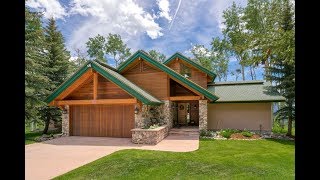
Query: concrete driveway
[55, 157]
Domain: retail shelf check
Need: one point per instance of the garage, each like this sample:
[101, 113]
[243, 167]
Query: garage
[101, 120]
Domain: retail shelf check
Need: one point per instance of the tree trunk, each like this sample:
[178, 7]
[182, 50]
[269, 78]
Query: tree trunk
[289, 133]
[242, 71]
[45, 131]
[114, 58]
[251, 73]
[254, 74]
[32, 126]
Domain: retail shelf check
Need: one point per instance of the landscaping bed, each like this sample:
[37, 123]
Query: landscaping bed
[237, 134]
[149, 136]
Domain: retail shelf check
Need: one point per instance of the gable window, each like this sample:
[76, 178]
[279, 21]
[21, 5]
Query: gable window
[185, 70]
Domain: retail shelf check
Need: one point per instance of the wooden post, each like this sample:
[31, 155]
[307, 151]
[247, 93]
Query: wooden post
[95, 85]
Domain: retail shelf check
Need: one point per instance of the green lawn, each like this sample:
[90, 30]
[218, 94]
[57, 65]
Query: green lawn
[215, 159]
[29, 136]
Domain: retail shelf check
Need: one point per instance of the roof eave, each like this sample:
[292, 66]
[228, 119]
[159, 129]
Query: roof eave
[67, 82]
[198, 66]
[249, 101]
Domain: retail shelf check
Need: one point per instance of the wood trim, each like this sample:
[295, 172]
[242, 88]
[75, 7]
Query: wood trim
[182, 84]
[95, 85]
[78, 83]
[178, 98]
[98, 101]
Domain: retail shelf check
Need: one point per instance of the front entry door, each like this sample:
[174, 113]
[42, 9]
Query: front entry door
[182, 113]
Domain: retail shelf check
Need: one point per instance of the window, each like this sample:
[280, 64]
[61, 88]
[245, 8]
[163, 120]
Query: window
[185, 70]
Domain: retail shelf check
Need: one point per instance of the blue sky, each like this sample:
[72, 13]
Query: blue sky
[167, 26]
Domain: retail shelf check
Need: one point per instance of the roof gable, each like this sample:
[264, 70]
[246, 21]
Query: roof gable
[192, 63]
[112, 76]
[169, 71]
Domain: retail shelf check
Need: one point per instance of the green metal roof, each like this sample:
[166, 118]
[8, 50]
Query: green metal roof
[196, 65]
[189, 83]
[244, 91]
[111, 75]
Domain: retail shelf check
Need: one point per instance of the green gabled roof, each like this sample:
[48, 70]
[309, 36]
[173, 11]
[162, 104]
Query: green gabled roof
[244, 91]
[169, 71]
[111, 75]
[196, 65]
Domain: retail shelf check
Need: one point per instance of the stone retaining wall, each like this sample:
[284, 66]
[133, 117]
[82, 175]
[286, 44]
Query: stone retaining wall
[149, 136]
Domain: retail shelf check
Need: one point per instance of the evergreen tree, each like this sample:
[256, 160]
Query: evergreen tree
[282, 70]
[58, 68]
[35, 60]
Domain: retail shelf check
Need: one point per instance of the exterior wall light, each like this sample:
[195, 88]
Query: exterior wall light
[136, 110]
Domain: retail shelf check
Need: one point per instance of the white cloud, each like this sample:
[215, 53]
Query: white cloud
[73, 58]
[50, 8]
[125, 18]
[164, 7]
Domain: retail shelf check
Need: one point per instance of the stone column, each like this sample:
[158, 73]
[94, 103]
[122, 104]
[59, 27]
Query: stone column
[65, 121]
[138, 118]
[203, 111]
[167, 110]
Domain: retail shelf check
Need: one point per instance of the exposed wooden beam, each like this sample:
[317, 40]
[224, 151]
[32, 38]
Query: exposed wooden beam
[98, 101]
[95, 85]
[183, 98]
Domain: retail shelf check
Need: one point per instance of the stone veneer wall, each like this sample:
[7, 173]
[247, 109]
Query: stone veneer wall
[65, 122]
[203, 117]
[162, 113]
[168, 113]
[149, 136]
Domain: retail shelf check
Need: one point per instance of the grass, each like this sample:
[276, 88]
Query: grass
[30, 136]
[215, 159]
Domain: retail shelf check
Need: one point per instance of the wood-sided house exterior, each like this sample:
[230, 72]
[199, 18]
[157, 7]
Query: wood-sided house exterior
[99, 100]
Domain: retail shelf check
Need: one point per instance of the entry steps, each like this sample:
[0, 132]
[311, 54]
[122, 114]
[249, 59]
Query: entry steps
[185, 131]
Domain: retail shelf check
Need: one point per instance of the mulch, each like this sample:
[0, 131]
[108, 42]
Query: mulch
[240, 136]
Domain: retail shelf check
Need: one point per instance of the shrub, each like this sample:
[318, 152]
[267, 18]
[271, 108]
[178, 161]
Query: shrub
[154, 126]
[247, 133]
[278, 129]
[203, 132]
[226, 133]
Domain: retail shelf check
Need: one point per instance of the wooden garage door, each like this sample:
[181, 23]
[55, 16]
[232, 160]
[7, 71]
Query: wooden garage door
[102, 120]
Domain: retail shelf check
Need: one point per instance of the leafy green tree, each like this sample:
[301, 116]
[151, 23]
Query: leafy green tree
[99, 47]
[235, 34]
[35, 60]
[58, 69]
[157, 55]
[220, 55]
[81, 58]
[202, 56]
[117, 48]
[96, 48]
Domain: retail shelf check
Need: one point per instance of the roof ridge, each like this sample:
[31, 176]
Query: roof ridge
[193, 63]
